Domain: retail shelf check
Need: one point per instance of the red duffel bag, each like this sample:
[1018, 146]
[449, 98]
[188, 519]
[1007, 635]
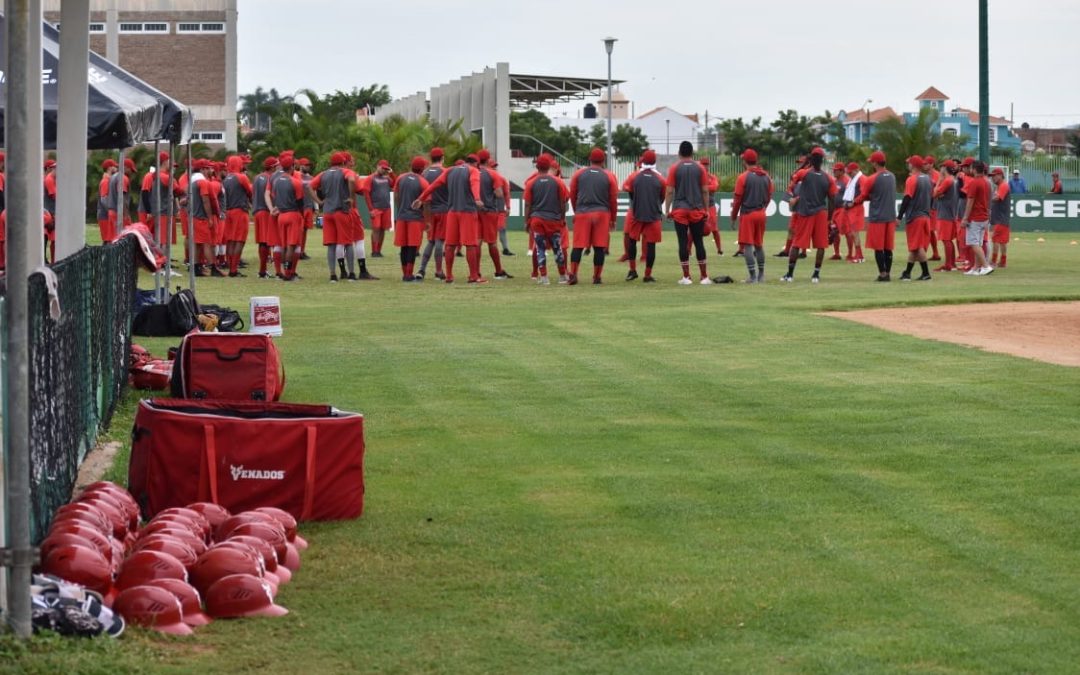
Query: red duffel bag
[232, 366]
[305, 459]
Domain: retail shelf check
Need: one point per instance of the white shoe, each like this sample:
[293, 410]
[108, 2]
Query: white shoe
[815, 280]
[686, 281]
[986, 270]
[973, 272]
[544, 281]
[563, 279]
[787, 279]
[706, 281]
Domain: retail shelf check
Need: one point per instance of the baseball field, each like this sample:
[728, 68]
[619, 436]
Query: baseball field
[666, 479]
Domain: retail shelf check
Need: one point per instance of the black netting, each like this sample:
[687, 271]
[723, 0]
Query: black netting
[78, 366]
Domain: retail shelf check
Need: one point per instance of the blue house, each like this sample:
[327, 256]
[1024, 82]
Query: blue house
[859, 124]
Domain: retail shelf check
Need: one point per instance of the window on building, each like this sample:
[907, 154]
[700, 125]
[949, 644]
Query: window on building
[155, 28]
[993, 134]
[143, 28]
[131, 28]
[195, 28]
[209, 136]
[95, 27]
[949, 132]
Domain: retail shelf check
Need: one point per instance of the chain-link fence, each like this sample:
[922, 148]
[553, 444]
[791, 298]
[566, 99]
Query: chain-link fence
[78, 366]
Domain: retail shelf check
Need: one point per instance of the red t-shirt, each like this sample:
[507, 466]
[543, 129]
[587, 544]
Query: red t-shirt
[978, 195]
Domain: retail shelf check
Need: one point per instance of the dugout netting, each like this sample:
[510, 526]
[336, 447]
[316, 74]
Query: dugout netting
[78, 366]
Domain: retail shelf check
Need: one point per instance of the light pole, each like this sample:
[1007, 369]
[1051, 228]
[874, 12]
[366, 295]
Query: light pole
[667, 141]
[609, 45]
[866, 109]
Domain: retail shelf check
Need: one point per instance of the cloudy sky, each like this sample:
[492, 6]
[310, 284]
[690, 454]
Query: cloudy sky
[732, 59]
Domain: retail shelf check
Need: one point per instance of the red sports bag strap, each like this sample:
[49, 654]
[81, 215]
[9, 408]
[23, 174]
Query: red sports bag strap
[309, 474]
[211, 461]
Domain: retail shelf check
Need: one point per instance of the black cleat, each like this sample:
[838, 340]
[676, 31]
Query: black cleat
[237, 274]
[924, 277]
[572, 280]
[264, 275]
[367, 276]
[504, 275]
[631, 275]
[352, 276]
[215, 272]
[782, 254]
[376, 254]
[884, 277]
[305, 256]
[648, 280]
[905, 277]
[597, 282]
[507, 251]
[440, 276]
[333, 278]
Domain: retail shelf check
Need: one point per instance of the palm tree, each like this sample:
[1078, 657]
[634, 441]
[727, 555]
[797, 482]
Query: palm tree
[259, 107]
[900, 140]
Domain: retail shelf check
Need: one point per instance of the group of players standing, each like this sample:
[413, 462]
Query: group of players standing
[458, 208]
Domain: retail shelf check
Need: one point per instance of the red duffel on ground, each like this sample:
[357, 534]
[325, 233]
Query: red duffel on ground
[232, 366]
[305, 459]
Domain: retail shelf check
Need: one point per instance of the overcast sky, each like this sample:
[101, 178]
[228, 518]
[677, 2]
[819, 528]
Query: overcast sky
[739, 59]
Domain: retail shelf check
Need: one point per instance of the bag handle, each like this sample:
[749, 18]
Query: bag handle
[230, 357]
[309, 474]
[210, 457]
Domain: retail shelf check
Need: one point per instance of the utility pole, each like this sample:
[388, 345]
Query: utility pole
[609, 44]
[984, 82]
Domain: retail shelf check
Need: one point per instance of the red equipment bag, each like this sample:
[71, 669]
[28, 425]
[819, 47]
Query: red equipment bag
[154, 374]
[233, 366]
[305, 459]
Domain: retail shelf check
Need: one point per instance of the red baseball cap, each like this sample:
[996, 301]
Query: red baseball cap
[336, 158]
[648, 157]
[129, 164]
[967, 161]
[597, 155]
[949, 164]
[472, 158]
[108, 164]
[51, 163]
[929, 160]
[704, 161]
[436, 154]
[286, 162]
[818, 151]
[839, 166]
[163, 157]
[852, 166]
[997, 172]
[877, 157]
[915, 161]
[418, 164]
[383, 164]
[304, 161]
[749, 155]
[543, 163]
[483, 155]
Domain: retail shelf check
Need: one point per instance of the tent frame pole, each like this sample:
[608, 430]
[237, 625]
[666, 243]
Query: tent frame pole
[192, 257]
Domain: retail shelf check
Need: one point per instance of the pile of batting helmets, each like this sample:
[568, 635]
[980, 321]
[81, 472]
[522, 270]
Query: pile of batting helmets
[184, 568]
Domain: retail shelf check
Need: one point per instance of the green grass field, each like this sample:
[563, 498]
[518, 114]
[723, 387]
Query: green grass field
[665, 479]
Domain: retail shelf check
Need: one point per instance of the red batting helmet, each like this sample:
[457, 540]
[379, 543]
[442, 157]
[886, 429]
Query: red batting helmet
[80, 565]
[240, 595]
[221, 561]
[190, 600]
[142, 566]
[152, 607]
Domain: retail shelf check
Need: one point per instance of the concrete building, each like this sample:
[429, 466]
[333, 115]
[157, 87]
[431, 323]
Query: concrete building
[185, 48]
[665, 128]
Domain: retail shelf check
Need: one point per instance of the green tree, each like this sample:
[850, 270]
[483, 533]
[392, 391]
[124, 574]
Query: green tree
[793, 134]
[258, 108]
[736, 135]
[839, 144]
[629, 141]
[899, 140]
[1074, 145]
[532, 133]
[344, 104]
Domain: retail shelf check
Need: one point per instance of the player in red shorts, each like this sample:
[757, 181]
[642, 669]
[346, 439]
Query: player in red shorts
[491, 183]
[238, 194]
[947, 198]
[645, 216]
[753, 194]
[803, 162]
[261, 212]
[409, 228]
[711, 224]
[813, 206]
[915, 210]
[546, 198]
[303, 166]
[838, 227]
[462, 216]
[880, 190]
[356, 223]
[594, 196]
[854, 216]
[215, 176]
[1000, 204]
[109, 167]
[119, 214]
[377, 189]
[286, 200]
[200, 208]
[435, 215]
[331, 191]
[504, 211]
[687, 204]
[929, 164]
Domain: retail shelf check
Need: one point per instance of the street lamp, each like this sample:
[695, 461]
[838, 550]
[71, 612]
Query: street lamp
[866, 109]
[667, 142]
[609, 45]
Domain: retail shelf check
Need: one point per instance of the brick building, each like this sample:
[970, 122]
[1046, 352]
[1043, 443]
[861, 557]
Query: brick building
[185, 48]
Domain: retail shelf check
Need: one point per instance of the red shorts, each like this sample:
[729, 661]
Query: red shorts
[265, 233]
[946, 229]
[592, 230]
[437, 227]
[855, 218]
[650, 233]
[334, 227]
[219, 229]
[689, 216]
[184, 221]
[839, 219]
[545, 227]
[489, 226]
[291, 226]
[309, 219]
[236, 225]
[752, 228]
[812, 229]
[162, 229]
[462, 228]
[918, 234]
[113, 224]
[1001, 234]
[409, 233]
[502, 220]
[881, 236]
[355, 229]
[380, 219]
[203, 233]
[710, 221]
[108, 231]
[628, 222]
[565, 235]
